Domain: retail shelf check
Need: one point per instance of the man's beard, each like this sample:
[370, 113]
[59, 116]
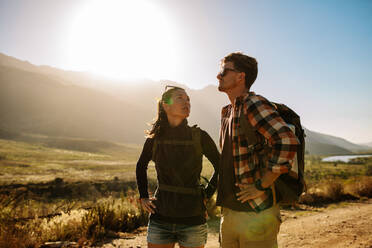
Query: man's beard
[220, 88]
[225, 88]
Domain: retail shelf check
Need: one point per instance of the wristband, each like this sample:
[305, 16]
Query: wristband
[258, 185]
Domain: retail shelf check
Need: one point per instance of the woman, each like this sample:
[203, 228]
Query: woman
[177, 212]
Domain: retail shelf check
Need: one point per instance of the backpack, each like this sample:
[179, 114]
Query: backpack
[289, 186]
[196, 142]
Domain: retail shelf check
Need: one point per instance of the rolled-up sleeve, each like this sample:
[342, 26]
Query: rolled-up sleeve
[264, 117]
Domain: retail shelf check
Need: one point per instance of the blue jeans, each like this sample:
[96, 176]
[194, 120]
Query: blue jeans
[160, 232]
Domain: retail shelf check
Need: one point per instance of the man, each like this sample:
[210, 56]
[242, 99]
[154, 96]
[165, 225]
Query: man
[250, 216]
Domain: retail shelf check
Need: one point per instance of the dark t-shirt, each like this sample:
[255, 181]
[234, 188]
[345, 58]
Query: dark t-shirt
[226, 184]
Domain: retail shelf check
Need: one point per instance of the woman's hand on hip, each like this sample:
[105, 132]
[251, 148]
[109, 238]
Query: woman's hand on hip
[148, 205]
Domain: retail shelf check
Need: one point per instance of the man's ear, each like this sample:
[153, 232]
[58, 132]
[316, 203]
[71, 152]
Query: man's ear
[242, 76]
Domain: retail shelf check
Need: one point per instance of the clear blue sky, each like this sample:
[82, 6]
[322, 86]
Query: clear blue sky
[316, 56]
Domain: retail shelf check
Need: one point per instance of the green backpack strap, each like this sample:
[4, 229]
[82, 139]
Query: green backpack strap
[196, 138]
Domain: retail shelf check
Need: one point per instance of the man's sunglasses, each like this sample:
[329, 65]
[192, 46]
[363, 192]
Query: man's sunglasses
[225, 70]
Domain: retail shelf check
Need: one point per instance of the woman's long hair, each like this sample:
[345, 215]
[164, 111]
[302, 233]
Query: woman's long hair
[161, 122]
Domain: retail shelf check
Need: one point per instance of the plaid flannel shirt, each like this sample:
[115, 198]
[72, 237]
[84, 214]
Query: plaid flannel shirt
[271, 128]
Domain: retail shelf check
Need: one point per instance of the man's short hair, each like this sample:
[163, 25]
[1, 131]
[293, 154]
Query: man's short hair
[244, 63]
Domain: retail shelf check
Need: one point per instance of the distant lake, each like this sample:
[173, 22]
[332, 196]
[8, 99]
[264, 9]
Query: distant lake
[343, 158]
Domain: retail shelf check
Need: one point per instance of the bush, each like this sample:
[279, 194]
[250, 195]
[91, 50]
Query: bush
[328, 192]
[64, 227]
[13, 234]
[313, 199]
[334, 191]
[104, 220]
[363, 187]
[369, 170]
[122, 215]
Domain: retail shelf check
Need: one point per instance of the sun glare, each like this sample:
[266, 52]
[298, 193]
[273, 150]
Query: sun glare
[122, 39]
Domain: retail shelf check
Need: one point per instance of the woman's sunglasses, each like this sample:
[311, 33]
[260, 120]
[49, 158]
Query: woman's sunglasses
[170, 87]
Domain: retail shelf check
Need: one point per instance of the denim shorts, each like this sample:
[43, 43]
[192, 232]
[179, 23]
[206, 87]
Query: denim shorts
[160, 232]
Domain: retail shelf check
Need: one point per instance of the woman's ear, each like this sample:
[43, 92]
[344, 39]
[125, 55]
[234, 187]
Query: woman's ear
[165, 106]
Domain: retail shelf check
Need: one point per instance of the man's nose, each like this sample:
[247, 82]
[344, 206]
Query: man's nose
[219, 76]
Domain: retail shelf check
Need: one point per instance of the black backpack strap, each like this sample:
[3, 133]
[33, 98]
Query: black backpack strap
[250, 134]
[154, 146]
[175, 142]
[181, 190]
[247, 129]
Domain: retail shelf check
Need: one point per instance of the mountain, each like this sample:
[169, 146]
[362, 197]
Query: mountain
[50, 101]
[317, 142]
[35, 103]
[65, 77]
[369, 144]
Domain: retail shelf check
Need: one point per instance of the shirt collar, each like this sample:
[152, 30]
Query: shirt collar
[240, 99]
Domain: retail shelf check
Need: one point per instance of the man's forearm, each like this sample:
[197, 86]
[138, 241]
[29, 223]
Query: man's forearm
[268, 179]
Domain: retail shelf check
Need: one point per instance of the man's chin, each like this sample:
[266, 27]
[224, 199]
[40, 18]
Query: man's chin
[221, 88]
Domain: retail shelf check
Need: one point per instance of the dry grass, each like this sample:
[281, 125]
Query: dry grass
[362, 187]
[52, 194]
[337, 191]
[104, 219]
[22, 162]
[334, 191]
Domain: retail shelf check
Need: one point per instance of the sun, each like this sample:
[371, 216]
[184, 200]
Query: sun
[122, 39]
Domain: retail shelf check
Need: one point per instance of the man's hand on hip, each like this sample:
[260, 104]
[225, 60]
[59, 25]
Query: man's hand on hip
[248, 192]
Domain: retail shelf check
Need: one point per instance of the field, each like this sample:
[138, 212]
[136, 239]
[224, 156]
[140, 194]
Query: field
[84, 191]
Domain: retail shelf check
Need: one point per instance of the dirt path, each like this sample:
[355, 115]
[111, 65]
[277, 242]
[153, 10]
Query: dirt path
[349, 226]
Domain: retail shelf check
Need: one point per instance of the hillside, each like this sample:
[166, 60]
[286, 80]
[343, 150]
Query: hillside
[35, 103]
[336, 142]
[50, 101]
[369, 144]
